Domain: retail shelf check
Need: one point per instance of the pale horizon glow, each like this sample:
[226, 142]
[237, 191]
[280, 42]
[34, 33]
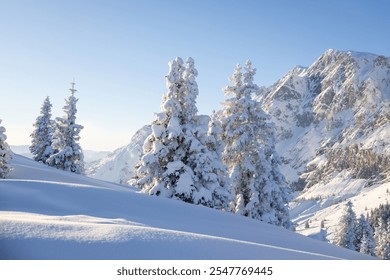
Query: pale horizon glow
[118, 53]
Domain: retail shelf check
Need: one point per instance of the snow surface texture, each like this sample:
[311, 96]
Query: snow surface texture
[47, 213]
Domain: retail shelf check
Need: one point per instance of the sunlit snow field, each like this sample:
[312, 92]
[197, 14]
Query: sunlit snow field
[50, 214]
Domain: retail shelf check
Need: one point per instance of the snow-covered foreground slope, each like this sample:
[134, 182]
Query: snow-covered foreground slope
[49, 214]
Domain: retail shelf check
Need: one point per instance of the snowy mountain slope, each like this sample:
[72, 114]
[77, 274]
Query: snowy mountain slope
[333, 130]
[91, 156]
[343, 96]
[50, 214]
[118, 166]
[330, 210]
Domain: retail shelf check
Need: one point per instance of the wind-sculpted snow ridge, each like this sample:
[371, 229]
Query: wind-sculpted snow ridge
[46, 213]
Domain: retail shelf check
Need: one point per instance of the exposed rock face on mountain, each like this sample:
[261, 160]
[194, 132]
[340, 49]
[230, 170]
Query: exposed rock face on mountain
[332, 118]
[118, 167]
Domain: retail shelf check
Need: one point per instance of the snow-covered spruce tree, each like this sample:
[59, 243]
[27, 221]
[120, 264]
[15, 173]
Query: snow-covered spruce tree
[380, 213]
[42, 136]
[5, 154]
[161, 170]
[249, 153]
[345, 236]
[382, 239]
[176, 161]
[210, 175]
[214, 141]
[364, 236]
[367, 245]
[67, 153]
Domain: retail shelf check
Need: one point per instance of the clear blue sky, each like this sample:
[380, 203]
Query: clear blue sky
[118, 51]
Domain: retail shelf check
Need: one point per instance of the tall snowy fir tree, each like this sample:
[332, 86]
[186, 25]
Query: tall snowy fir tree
[259, 188]
[42, 136]
[176, 161]
[345, 236]
[364, 236]
[5, 154]
[210, 175]
[67, 153]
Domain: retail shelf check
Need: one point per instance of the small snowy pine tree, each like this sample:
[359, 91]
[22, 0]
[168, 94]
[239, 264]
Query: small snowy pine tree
[367, 245]
[364, 229]
[5, 154]
[42, 135]
[67, 153]
[249, 153]
[345, 236]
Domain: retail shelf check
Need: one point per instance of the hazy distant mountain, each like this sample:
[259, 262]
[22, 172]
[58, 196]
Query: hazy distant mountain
[89, 155]
[92, 156]
[21, 150]
[118, 166]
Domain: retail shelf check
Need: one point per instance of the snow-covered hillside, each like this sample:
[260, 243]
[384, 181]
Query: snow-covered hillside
[46, 213]
[330, 210]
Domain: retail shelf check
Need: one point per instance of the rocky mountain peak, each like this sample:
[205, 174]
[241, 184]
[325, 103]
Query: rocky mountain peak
[319, 111]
